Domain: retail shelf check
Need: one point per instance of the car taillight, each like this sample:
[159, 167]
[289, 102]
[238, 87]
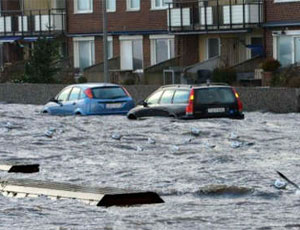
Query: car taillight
[189, 110]
[239, 102]
[88, 92]
[127, 93]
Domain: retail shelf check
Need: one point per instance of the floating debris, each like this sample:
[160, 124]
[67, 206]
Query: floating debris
[116, 136]
[151, 141]
[139, 149]
[174, 148]
[189, 140]
[236, 144]
[195, 132]
[233, 136]
[221, 190]
[280, 184]
[209, 145]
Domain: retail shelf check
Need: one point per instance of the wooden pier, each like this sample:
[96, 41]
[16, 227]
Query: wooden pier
[19, 167]
[99, 196]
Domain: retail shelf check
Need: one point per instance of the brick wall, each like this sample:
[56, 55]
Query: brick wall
[187, 49]
[279, 100]
[121, 20]
[282, 11]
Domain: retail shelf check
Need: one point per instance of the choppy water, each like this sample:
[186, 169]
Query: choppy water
[219, 179]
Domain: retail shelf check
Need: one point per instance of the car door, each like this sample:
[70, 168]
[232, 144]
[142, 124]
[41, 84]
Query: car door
[71, 104]
[150, 103]
[59, 108]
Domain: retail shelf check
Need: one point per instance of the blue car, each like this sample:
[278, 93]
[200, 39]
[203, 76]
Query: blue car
[90, 99]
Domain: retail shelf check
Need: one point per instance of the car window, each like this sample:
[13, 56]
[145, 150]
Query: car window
[74, 94]
[214, 96]
[181, 97]
[167, 97]
[108, 93]
[63, 96]
[154, 98]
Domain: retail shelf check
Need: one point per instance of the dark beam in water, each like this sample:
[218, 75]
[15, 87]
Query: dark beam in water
[19, 167]
[99, 196]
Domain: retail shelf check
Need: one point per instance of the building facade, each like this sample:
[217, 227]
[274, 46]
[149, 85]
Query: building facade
[137, 33]
[228, 29]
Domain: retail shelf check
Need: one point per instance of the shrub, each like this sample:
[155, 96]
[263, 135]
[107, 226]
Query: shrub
[82, 79]
[225, 75]
[270, 65]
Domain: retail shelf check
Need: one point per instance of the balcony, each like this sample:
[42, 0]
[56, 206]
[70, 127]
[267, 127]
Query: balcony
[215, 15]
[32, 22]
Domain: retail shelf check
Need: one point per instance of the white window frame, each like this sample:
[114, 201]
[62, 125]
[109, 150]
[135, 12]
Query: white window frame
[207, 47]
[130, 39]
[153, 39]
[76, 41]
[285, 1]
[293, 34]
[161, 7]
[129, 8]
[112, 9]
[78, 11]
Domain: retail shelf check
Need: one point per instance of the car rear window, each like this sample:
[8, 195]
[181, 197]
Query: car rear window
[181, 97]
[108, 93]
[216, 95]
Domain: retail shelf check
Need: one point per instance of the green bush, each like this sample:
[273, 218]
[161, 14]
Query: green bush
[225, 75]
[82, 79]
[270, 65]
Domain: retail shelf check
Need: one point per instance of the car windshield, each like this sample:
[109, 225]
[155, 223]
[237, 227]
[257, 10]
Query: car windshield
[214, 96]
[108, 93]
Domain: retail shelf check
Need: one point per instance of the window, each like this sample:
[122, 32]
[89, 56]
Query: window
[110, 49]
[133, 5]
[131, 52]
[284, 50]
[167, 97]
[74, 94]
[110, 5]
[162, 48]
[63, 96]
[108, 93]
[84, 52]
[83, 6]
[181, 97]
[154, 98]
[159, 4]
[213, 47]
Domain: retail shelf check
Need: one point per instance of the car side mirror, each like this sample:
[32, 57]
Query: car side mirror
[145, 104]
[55, 101]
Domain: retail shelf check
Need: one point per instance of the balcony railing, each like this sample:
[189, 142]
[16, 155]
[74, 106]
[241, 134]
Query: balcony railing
[214, 15]
[32, 22]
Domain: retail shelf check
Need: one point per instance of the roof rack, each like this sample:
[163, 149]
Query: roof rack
[176, 85]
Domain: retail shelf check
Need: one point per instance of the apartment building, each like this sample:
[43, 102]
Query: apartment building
[22, 22]
[137, 33]
[229, 30]
[282, 31]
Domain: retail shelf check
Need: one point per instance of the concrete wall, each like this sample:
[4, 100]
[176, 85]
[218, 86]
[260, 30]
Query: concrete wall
[280, 100]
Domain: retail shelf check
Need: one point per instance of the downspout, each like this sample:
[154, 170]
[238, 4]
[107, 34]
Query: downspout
[265, 32]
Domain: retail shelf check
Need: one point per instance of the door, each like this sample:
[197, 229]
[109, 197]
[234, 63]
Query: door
[60, 107]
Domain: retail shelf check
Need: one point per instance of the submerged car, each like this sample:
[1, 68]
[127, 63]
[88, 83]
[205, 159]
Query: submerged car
[191, 101]
[90, 99]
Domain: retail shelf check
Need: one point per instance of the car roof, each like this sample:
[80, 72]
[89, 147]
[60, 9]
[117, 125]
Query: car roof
[94, 85]
[183, 86]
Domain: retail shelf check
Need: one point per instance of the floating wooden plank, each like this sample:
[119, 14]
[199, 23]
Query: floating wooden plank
[99, 196]
[19, 167]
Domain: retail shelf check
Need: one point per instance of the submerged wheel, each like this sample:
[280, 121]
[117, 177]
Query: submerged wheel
[131, 117]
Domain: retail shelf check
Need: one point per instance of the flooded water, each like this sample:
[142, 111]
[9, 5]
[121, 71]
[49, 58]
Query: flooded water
[211, 173]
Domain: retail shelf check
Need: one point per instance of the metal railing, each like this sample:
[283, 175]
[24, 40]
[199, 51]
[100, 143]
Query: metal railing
[32, 22]
[208, 15]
